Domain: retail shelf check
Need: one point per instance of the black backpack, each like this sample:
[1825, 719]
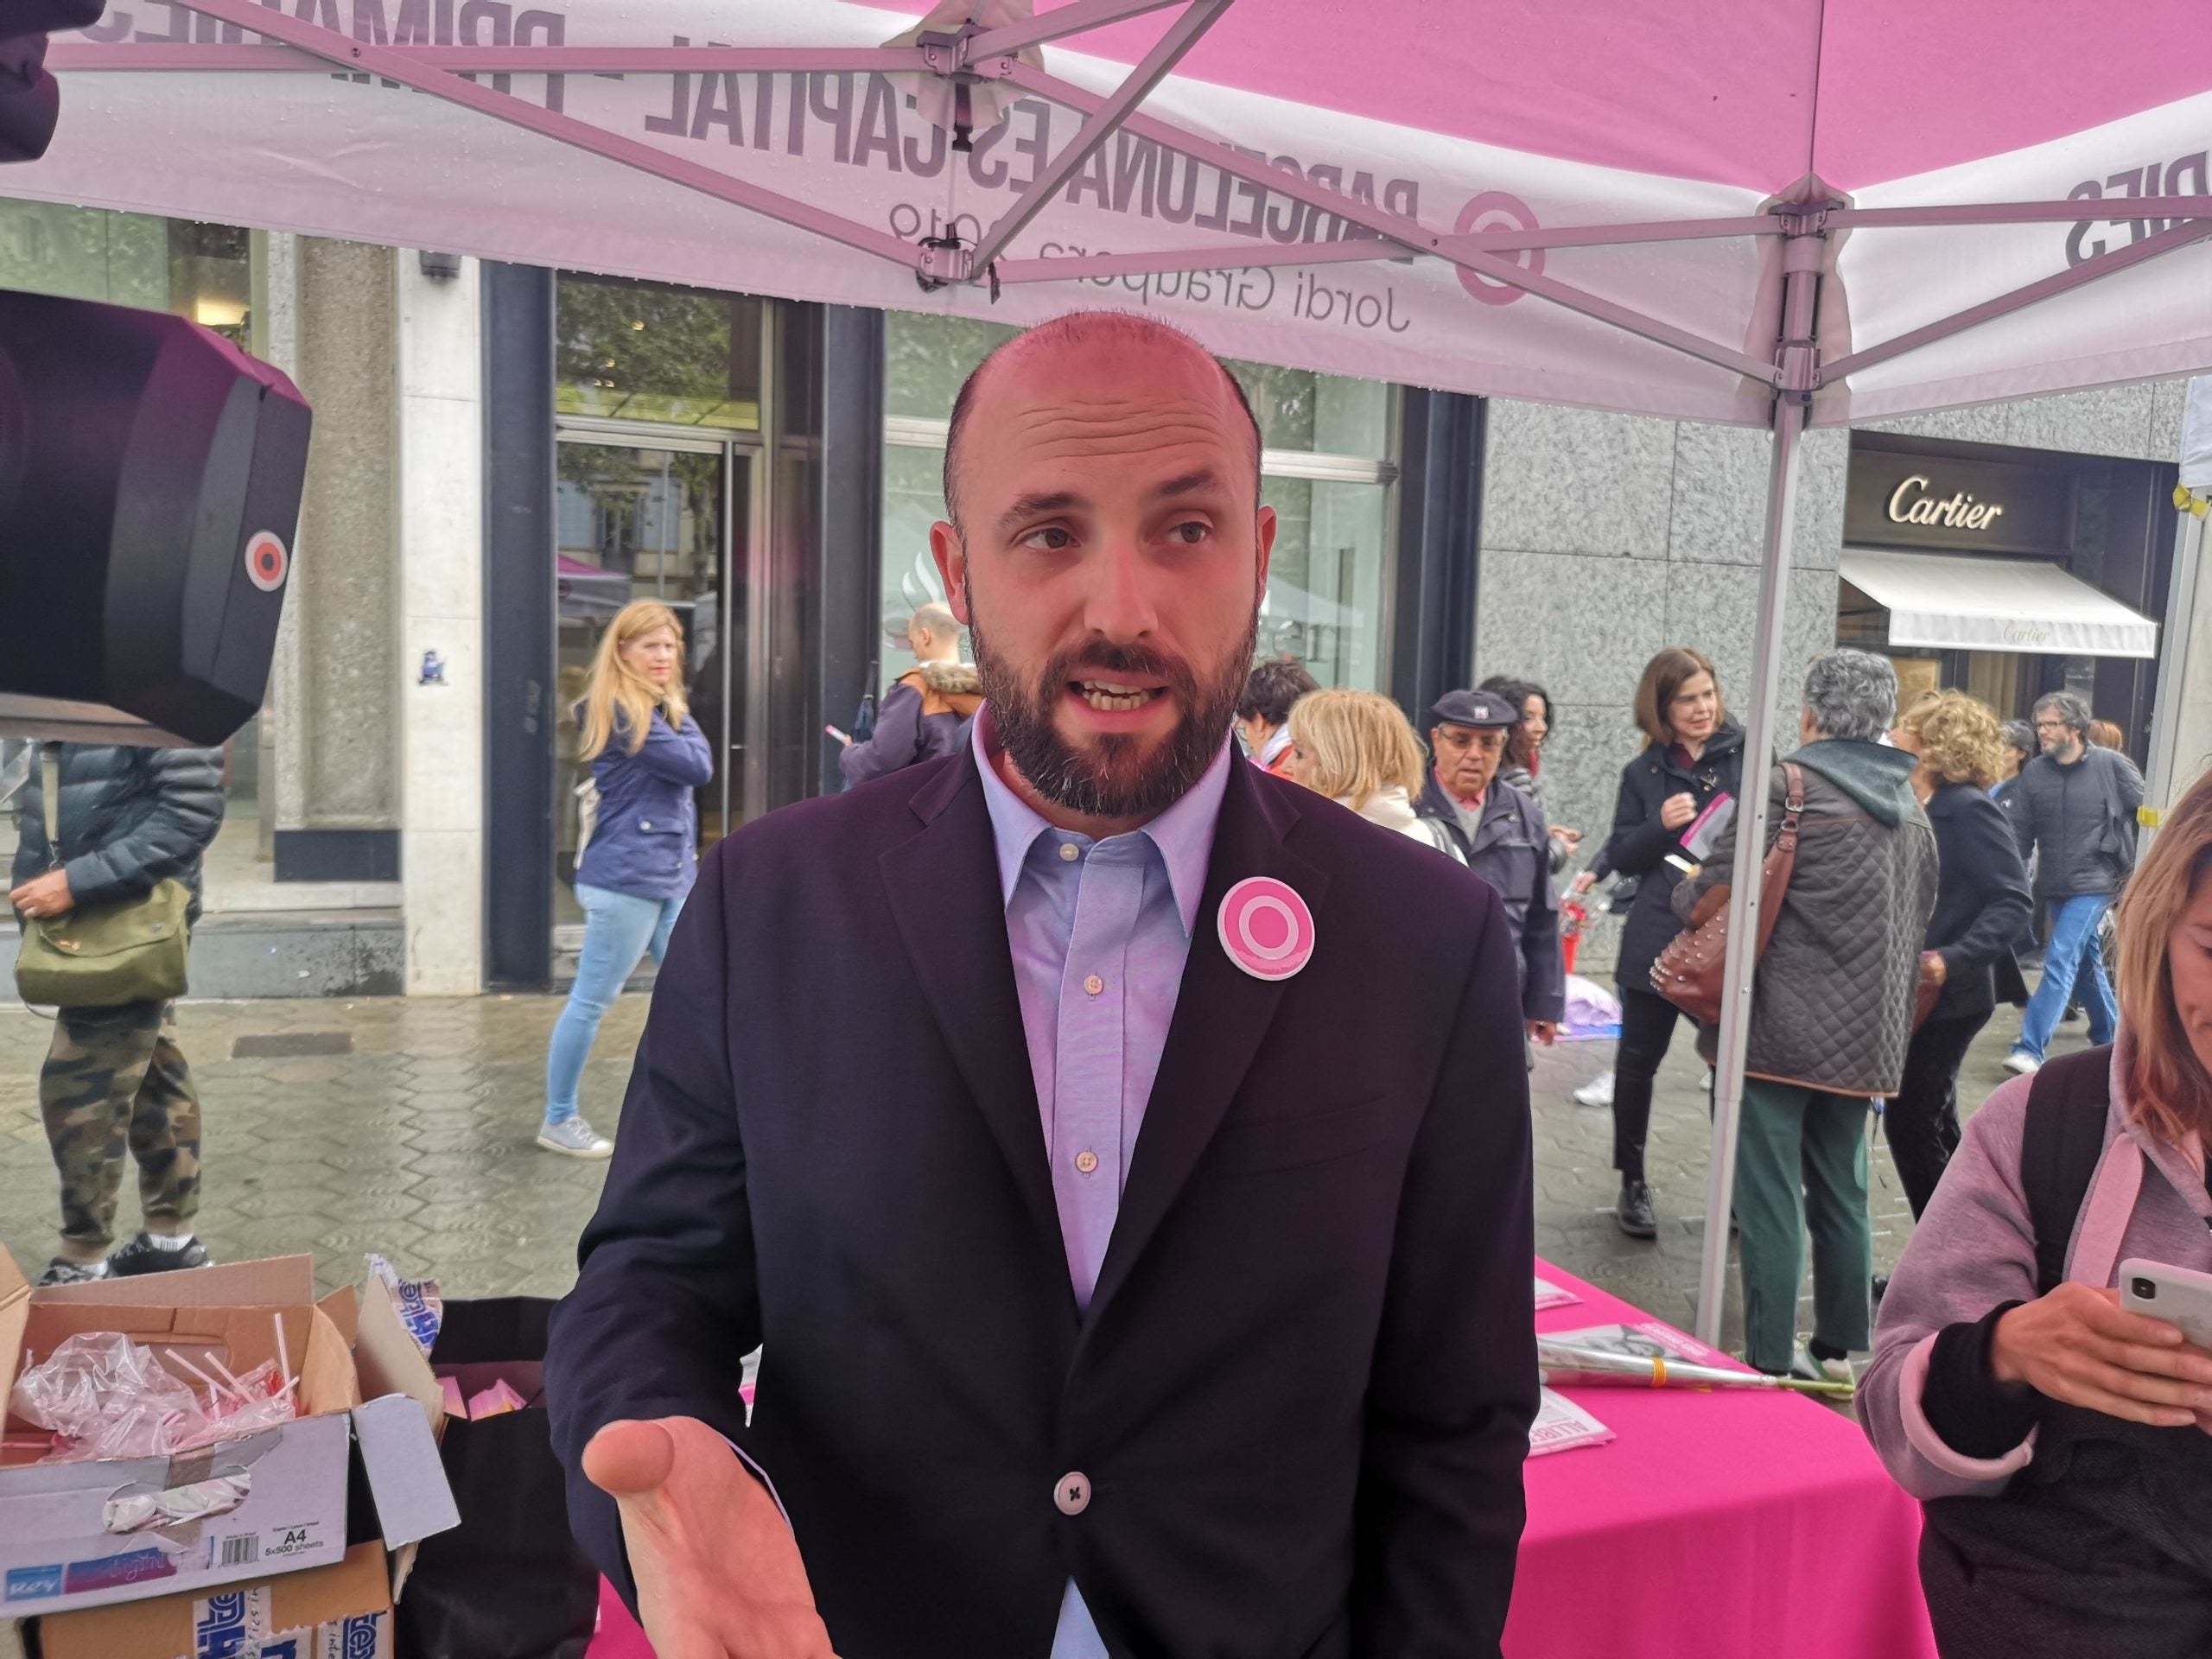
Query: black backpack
[2063, 1138]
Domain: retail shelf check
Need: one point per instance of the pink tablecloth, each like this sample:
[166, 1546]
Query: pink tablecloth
[1716, 1525]
[618, 1636]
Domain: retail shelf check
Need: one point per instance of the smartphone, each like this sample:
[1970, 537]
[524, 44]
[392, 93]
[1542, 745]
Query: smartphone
[2180, 1296]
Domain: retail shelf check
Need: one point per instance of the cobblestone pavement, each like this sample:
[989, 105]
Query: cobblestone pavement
[418, 1142]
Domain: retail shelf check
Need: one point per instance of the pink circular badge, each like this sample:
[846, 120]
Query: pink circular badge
[1266, 928]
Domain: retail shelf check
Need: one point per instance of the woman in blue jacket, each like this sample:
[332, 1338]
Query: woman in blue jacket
[647, 755]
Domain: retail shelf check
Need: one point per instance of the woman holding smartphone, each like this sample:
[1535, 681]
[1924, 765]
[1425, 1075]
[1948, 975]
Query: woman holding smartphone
[2062, 1444]
[1692, 754]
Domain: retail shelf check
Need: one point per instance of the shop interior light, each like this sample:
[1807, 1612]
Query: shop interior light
[218, 313]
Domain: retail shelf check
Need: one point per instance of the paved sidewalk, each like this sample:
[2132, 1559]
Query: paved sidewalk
[417, 1140]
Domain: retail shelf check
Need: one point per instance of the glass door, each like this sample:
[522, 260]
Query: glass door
[665, 521]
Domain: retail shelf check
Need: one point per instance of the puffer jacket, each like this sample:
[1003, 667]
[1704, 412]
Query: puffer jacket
[130, 819]
[2079, 820]
[645, 841]
[921, 719]
[1531, 786]
[1832, 1002]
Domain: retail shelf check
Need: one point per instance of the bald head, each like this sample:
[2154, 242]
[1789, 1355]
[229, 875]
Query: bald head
[1055, 354]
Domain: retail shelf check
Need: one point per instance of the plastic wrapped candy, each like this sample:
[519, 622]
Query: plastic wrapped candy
[103, 1395]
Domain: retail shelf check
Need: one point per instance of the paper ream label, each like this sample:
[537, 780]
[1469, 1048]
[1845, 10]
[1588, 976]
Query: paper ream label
[32, 1583]
[111, 1571]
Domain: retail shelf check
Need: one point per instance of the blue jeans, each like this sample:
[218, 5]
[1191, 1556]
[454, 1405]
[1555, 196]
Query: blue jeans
[619, 929]
[2072, 946]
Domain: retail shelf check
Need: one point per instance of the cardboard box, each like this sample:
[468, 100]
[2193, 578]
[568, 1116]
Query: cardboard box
[325, 1612]
[62, 1547]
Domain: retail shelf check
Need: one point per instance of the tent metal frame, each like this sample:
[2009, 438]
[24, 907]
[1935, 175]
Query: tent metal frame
[259, 37]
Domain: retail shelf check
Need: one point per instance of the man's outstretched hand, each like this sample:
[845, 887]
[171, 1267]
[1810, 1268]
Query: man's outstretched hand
[718, 1571]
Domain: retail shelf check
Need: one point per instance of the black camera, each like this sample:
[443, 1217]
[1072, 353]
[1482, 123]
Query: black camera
[2143, 1290]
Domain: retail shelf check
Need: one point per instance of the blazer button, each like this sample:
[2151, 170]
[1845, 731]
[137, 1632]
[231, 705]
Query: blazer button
[1072, 1495]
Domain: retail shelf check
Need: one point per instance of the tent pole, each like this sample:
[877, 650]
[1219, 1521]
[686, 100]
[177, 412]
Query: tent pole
[1098, 127]
[1766, 720]
[2178, 640]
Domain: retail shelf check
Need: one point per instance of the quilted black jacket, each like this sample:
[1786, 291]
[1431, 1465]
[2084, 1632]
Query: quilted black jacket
[2079, 820]
[1832, 1005]
[130, 817]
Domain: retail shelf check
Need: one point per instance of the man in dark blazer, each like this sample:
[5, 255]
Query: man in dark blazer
[1150, 1272]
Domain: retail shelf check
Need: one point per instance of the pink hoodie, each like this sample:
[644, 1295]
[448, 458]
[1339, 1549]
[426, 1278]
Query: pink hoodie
[1975, 1249]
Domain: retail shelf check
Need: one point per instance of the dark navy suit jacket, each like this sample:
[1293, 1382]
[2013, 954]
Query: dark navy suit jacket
[1302, 1393]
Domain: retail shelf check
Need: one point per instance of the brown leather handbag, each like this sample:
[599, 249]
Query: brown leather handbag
[1687, 973]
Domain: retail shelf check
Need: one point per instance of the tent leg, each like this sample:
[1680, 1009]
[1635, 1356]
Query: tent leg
[1765, 722]
[2161, 781]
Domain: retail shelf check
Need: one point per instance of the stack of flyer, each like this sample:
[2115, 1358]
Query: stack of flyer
[1561, 1425]
[1549, 1296]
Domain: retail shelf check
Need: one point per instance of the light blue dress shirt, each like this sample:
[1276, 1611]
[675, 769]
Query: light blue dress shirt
[1099, 933]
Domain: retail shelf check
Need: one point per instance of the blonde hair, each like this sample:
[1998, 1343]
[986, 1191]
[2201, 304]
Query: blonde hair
[1354, 745]
[1959, 738]
[617, 698]
[2169, 1093]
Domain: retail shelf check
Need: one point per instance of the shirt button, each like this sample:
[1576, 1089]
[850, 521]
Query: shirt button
[1070, 852]
[1086, 1161]
[1094, 985]
[1072, 1495]
[646, 823]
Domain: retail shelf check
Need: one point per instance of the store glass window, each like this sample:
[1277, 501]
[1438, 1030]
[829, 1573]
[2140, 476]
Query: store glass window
[648, 352]
[1327, 468]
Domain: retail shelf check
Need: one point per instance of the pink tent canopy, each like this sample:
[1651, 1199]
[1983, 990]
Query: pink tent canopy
[1772, 212]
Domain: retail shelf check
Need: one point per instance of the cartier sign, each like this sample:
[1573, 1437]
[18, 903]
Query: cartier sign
[1913, 503]
[1925, 496]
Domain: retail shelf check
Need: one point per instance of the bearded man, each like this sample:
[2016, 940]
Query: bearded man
[1151, 1273]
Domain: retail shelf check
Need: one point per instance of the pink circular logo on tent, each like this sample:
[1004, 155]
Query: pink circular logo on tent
[1494, 210]
[1266, 928]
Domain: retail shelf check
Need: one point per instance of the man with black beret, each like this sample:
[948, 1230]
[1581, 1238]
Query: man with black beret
[1501, 835]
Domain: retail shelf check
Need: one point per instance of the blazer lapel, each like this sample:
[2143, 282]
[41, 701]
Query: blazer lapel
[943, 888]
[1222, 1014]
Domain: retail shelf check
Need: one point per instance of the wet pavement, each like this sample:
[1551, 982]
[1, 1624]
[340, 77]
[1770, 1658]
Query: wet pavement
[407, 1126]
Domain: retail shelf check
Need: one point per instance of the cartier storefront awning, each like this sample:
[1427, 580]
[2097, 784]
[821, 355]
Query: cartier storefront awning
[1973, 604]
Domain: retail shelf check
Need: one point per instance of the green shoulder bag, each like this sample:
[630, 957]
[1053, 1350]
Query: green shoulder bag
[102, 955]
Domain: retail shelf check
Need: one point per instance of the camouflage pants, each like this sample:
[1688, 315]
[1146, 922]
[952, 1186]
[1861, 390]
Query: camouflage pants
[114, 1080]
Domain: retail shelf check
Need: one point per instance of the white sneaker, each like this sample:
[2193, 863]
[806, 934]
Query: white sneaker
[1598, 1091]
[574, 1138]
[1809, 1367]
[2022, 1064]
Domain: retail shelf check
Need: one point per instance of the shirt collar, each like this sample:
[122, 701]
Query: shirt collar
[1474, 808]
[1183, 834]
[1272, 750]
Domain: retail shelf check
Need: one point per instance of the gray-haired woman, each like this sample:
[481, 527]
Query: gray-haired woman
[1831, 1012]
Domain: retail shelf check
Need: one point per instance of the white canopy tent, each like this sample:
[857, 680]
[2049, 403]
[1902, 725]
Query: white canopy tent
[1759, 211]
